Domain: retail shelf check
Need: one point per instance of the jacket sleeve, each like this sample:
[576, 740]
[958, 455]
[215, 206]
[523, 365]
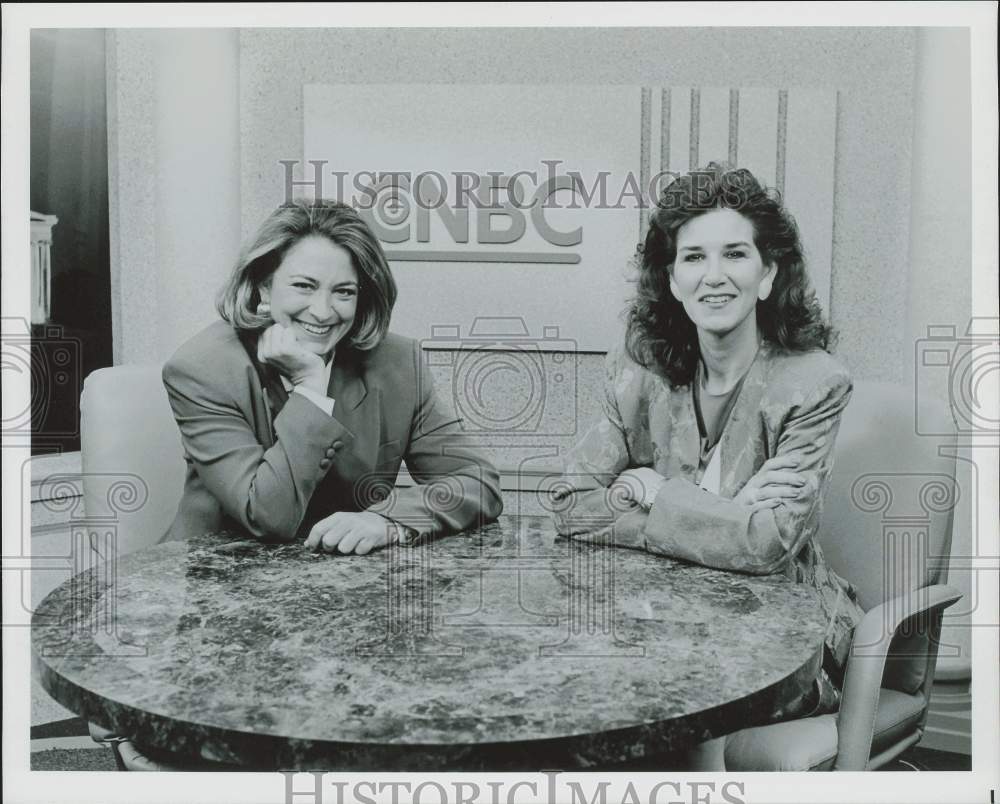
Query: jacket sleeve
[265, 490]
[586, 499]
[457, 486]
[695, 525]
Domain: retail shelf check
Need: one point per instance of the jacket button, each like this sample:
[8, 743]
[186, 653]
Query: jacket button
[324, 463]
[338, 445]
[330, 453]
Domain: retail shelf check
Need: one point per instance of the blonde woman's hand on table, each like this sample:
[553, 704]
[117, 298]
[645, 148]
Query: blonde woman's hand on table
[352, 532]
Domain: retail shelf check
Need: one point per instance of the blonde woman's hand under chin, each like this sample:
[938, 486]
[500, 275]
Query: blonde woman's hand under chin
[278, 347]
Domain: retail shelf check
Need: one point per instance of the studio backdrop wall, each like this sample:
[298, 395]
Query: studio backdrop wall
[866, 130]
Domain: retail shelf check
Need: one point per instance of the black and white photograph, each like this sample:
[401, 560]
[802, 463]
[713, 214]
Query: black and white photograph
[498, 403]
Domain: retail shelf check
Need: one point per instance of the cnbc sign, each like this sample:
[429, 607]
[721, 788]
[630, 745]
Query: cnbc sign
[493, 198]
[486, 211]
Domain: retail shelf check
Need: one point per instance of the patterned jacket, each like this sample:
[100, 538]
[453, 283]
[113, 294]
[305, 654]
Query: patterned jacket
[790, 404]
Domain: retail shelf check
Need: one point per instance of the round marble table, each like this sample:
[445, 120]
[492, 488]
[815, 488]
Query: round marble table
[499, 649]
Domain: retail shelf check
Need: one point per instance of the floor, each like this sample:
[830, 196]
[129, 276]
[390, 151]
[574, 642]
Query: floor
[928, 759]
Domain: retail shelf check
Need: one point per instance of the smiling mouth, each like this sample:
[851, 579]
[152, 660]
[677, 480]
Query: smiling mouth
[315, 329]
[717, 299]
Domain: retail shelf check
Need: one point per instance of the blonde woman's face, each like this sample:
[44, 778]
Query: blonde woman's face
[315, 292]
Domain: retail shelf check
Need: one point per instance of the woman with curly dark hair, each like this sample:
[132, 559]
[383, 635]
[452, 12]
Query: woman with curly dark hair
[722, 405]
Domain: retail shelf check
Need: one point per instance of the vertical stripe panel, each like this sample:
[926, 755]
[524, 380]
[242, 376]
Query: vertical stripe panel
[758, 133]
[779, 156]
[680, 129]
[713, 125]
[734, 126]
[655, 134]
[810, 141]
[695, 132]
[665, 130]
[644, 156]
[660, 151]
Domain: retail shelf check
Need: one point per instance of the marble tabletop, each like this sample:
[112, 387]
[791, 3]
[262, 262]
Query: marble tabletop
[497, 649]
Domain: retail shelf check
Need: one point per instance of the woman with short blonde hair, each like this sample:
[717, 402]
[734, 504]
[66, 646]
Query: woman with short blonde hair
[297, 409]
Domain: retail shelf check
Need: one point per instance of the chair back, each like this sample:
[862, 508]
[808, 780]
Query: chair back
[887, 516]
[132, 457]
[888, 513]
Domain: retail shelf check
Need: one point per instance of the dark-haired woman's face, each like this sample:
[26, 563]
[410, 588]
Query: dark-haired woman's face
[315, 292]
[718, 274]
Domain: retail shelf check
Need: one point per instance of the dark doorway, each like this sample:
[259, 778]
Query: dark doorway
[69, 181]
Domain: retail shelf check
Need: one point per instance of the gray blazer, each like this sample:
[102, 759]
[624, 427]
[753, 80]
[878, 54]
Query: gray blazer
[273, 463]
[790, 404]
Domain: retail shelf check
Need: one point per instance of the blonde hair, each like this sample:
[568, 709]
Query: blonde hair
[288, 224]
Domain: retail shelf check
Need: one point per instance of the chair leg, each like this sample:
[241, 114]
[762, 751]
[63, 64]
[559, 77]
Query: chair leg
[119, 762]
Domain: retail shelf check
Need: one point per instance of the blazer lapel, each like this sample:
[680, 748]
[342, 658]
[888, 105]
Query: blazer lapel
[737, 438]
[684, 449]
[347, 385]
[357, 410]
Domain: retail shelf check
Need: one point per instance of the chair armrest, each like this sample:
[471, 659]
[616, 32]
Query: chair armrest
[866, 665]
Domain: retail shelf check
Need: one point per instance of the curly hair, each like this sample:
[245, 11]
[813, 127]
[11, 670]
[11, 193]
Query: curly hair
[287, 225]
[659, 334]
